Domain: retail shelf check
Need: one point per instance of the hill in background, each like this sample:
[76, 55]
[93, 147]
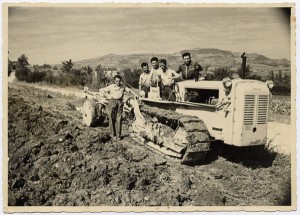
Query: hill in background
[208, 58]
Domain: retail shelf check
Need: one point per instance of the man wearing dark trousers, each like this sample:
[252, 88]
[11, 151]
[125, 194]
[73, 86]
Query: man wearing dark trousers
[115, 93]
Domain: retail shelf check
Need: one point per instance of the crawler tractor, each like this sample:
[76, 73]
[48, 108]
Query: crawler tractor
[232, 111]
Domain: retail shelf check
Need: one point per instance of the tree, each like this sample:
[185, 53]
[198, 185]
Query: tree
[49, 76]
[23, 60]
[36, 67]
[279, 76]
[22, 70]
[67, 65]
[46, 66]
[89, 70]
[132, 77]
[102, 79]
[282, 84]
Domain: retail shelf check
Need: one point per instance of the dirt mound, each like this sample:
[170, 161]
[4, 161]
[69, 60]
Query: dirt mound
[55, 160]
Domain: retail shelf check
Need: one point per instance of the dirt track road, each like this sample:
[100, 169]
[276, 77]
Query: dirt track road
[55, 160]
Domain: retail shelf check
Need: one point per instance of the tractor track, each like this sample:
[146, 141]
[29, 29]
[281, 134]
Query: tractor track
[194, 129]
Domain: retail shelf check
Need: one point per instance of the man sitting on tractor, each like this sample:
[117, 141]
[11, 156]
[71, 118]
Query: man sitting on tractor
[189, 70]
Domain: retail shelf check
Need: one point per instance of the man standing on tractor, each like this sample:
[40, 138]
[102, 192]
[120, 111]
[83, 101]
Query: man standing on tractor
[115, 93]
[145, 80]
[189, 70]
[155, 70]
[168, 78]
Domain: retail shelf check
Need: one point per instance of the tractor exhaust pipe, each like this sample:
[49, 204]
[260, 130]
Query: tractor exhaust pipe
[243, 74]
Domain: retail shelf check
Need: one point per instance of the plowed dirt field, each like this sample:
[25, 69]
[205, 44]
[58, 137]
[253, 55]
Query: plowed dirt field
[55, 160]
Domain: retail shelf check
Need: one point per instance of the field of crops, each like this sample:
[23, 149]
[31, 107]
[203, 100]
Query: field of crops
[281, 109]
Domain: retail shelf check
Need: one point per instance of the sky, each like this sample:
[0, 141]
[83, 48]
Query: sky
[53, 34]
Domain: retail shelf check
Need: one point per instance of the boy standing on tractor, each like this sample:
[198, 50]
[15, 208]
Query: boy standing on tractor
[115, 93]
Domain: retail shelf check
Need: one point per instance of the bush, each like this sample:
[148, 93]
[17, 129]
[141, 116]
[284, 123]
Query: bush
[282, 85]
[221, 72]
[281, 90]
[22, 70]
[132, 77]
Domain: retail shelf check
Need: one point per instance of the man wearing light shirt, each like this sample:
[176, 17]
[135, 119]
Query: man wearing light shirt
[145, 79]
[155, 70]
[168, 77]
[115, 93]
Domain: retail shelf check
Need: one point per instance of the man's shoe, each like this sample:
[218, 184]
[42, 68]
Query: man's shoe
[118, 138]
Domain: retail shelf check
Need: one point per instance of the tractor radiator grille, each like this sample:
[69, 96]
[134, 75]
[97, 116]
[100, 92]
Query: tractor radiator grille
[262, 109]
[249, 109]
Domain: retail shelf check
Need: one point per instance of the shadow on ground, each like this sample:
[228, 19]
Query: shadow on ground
[252, 157]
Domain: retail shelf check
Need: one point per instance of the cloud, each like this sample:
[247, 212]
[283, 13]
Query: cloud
[83, 32]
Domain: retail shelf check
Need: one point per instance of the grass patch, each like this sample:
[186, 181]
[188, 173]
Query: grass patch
[280, 110]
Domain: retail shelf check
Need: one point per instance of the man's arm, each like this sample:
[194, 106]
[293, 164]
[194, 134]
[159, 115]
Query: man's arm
[175, 74]
[179, 71]
[107, 91]
[194, 72]
[140, 83]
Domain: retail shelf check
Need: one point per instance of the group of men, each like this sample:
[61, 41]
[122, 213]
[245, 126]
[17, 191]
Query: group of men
[159, 75]
[164, 77]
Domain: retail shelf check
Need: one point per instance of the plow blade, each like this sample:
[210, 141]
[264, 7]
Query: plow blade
[164, 150]
[174, 147]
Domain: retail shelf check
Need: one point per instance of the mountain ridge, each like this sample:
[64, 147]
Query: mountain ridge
[209, 58]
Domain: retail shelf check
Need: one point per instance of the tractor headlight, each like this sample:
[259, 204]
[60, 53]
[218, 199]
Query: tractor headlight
[270, 84]
[227, 83]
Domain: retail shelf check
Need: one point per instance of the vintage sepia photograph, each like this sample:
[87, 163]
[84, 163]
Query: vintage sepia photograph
[172, 107]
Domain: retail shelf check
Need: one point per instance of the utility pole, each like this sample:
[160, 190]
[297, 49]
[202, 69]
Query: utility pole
[243, 56]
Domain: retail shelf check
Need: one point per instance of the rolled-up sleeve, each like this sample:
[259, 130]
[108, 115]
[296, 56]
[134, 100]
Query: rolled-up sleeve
[175, 74]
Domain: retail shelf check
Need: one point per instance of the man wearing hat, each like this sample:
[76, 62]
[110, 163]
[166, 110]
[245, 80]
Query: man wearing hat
[115, 94]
